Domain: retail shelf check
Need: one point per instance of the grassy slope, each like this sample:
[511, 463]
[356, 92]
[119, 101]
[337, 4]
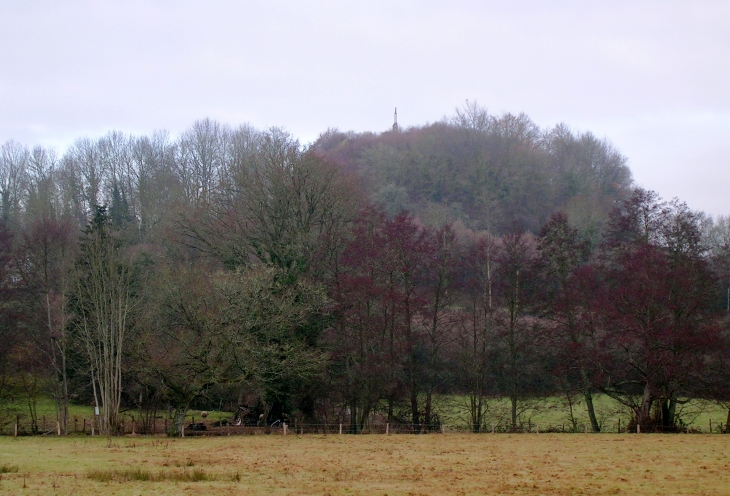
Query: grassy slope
[554, 412]
[429, 464]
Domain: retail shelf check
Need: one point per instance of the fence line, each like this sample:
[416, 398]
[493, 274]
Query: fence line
[48, 426]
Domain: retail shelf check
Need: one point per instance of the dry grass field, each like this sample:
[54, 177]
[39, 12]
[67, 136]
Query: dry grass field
[376, 464]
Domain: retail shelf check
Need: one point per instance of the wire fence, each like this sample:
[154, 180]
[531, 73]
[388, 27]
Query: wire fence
[47, 426]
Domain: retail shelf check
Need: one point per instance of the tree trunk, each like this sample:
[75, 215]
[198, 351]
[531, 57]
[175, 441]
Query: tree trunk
[669, 408]
[591, 411]
[427, 410]
[59, 345]
[63, 406]
[179, 420]
[365, 413]
[353, 418]
[475, 410]
[642, 414]
[513, 401]
[513, 313]
[414, 407]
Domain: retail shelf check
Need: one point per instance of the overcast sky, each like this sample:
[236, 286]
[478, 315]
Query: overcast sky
[652, 77]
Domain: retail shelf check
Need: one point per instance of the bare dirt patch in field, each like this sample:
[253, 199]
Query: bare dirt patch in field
[399, 464]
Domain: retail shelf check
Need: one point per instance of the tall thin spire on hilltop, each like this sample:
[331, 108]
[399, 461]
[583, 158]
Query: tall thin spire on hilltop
[395, 119]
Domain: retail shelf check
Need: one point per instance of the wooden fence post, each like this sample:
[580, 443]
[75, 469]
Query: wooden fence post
[340, 428]
[492, 427]
[387, 429]
[638, 428]
[443, 428]
[58, 428]
[537, 428]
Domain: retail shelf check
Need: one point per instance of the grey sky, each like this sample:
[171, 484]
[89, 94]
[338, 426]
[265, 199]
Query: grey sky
[652, 77]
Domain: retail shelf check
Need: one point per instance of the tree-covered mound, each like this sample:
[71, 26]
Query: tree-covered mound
[489, 172]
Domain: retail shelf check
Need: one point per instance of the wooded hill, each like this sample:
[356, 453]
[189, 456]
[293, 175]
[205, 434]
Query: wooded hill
[492, 173]
[361, 274]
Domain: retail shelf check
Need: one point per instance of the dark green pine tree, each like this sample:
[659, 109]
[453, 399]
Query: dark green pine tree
[119, 208]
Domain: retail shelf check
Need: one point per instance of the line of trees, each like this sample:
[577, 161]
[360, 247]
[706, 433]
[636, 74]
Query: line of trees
[235, 266]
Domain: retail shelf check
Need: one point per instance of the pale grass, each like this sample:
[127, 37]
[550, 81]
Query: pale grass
[375, 464]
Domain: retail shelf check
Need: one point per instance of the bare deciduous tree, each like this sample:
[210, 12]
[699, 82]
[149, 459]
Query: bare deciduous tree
[14, 160]
[104, 301]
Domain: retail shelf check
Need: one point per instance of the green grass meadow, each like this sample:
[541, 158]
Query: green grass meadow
[554, 413]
